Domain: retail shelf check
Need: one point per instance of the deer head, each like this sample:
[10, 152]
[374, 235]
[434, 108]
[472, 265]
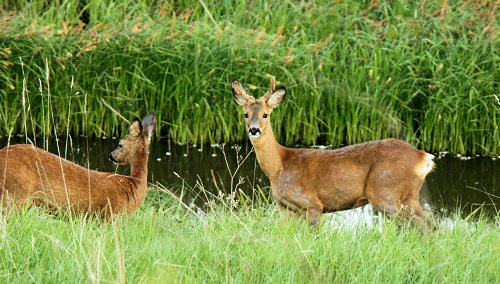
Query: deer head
[137, 141]
[257, 111]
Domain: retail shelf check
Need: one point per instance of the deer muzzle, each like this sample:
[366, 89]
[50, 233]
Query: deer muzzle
[112, 159]
[254, 132]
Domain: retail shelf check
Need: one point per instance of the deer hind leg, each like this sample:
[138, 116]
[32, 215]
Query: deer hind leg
[397, 201]
[416, 213]
[394, 209]
[385, 204]
[383, 192]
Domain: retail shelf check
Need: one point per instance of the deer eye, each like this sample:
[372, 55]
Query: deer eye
[265, 115]
[246, 115]
[120, 145]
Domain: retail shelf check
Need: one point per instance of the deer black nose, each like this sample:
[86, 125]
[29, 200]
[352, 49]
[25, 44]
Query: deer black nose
[254, 130]
[112, 159]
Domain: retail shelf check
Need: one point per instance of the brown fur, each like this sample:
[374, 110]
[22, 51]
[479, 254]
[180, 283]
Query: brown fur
[30, 175]
[386, 173]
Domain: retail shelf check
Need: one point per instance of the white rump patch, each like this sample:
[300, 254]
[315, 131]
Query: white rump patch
[426, 166]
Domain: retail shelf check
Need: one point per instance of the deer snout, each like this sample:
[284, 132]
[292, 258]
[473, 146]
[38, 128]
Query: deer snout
[254, 131]
[112, 159]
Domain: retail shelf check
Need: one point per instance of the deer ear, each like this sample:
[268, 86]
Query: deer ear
[149, 124]
[240, 96]
[276, 97]
[135, 128]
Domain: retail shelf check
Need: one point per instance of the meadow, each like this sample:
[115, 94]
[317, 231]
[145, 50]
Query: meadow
[166, 241]
[423, 71]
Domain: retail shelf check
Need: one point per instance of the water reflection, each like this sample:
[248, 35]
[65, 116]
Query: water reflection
[455, 183]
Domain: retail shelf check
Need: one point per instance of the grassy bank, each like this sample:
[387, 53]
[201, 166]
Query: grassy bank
[426, 72]
[171, 244]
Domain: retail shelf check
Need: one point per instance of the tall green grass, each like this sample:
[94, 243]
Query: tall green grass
[168, 242]
[354, 70]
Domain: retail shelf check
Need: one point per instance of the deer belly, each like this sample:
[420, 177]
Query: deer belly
[342, 198]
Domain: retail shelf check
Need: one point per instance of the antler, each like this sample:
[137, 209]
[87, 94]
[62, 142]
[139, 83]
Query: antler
[272, 86]
[239, 93]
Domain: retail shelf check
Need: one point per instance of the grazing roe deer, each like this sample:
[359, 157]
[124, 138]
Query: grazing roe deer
[386, 173]
[30, 175]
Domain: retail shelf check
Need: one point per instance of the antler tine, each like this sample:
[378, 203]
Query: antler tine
[272, 85]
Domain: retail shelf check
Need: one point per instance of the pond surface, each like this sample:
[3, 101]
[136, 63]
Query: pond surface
[457, 182]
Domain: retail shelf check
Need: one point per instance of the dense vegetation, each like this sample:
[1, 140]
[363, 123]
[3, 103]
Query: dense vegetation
[166, 242]
[423, 71]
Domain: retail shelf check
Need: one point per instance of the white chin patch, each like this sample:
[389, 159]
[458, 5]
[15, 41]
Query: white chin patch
[254, 136]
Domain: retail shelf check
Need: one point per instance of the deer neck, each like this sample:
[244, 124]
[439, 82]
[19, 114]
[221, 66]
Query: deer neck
[139, 170]
[269, 154]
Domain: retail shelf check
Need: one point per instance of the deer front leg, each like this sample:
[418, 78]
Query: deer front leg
[307, 205]
[285, 212]
[312, 215]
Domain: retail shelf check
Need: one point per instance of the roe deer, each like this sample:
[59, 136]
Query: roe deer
[30, 175]
[386, 173]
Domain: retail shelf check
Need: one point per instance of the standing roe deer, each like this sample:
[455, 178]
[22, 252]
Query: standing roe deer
[30, 175]
[386, 173]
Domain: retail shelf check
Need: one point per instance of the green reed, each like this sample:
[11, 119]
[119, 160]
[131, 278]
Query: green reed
[354, 71]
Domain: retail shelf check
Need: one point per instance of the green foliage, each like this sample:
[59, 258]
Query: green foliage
[354, 70]
[168, 242]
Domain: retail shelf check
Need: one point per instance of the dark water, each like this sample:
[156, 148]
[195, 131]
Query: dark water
[465, 183]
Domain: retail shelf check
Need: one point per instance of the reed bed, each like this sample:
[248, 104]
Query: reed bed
[425, 71]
